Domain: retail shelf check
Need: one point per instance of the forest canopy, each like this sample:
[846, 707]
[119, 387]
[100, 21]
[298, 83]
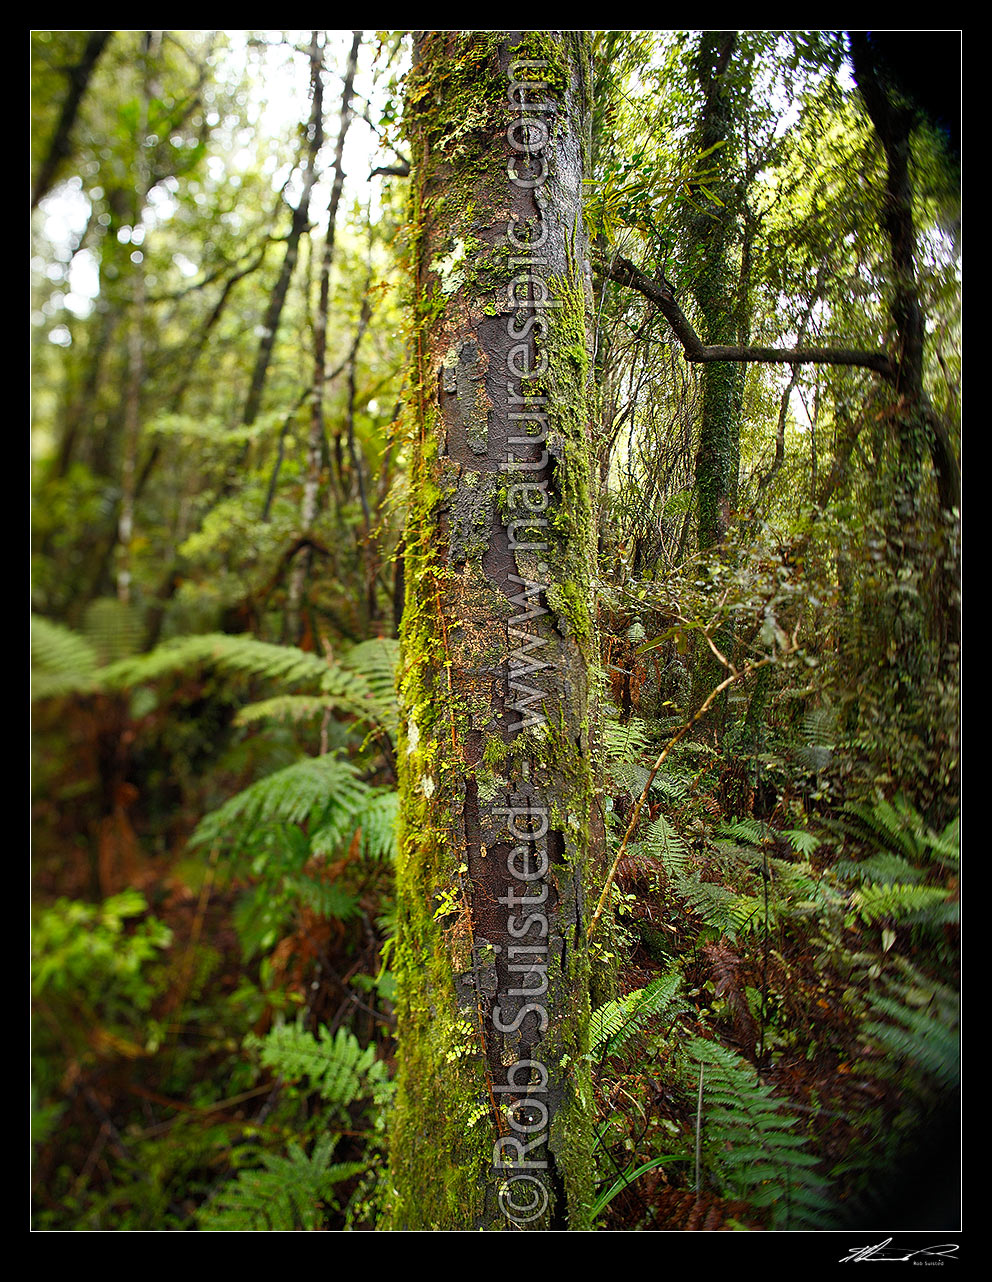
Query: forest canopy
[463, 451]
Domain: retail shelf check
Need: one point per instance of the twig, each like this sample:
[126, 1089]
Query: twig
[699, 1132]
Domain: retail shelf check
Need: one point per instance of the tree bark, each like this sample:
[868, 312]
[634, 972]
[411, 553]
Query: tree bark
[492, 1126]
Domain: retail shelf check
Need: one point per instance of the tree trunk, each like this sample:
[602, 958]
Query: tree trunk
[315, 440]
[492, 1127]
[917, 643]
[722, 301]
[713, 231]
[298, 225]
[58, 151]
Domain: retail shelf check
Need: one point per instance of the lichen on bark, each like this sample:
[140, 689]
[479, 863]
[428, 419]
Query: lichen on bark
[497, 638]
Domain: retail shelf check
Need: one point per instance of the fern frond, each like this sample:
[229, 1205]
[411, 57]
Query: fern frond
[326, 785]
[336, 1066]
[624, 741]
[239, 654]
[900, 902]
[715, 905]
[896, 826]
[918, 1026]
[669, 786]
[917, 1037]
[114, 628]
[614, 1023]
[375, 663]
[883, 867]
[801, 841]
[663, 842]
[379, 818]
[326, 898]
[292, 708]
[750, 1142]
[285, 1194]
[750, 830]
[62, 661]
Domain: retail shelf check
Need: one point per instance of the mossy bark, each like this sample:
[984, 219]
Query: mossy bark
[721, 298]
[493, 1120]
[721, 293]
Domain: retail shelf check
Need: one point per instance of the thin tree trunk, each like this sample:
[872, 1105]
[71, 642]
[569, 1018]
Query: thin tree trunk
[299, 224]
[920, 430]
[719, 447]
[315, 441]
[135, 344]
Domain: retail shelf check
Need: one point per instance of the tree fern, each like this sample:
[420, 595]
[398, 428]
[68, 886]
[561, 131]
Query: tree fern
[379, 815]
[233, 654]
[749, 1140]
[62, 661]
[375, 663]
[326, 790]
[291, 708]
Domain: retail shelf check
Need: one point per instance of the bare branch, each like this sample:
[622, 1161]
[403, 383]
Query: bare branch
[623, 272]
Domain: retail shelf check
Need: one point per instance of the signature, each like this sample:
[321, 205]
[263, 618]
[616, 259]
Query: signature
[861, 1254]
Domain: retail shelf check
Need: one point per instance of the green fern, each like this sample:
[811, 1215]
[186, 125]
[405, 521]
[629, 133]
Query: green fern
[897, 827]
[917, 1026]
[375, 663]
[613, 1024]
[624, 740]
[718, 907]
[324, 790]
[239, 654]
[820, 731]
[903, 904]
[883, 867]
[284, 1194]
[379, 817]
[62, 661]
[291, 708]
[628, 745]
[114, 628]
[360, 684]
[749, 1140]
[335, 1066]
[663, 842]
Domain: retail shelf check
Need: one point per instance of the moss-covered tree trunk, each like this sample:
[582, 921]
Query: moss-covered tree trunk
[721, 298]
[721, 293]
[492, 1126]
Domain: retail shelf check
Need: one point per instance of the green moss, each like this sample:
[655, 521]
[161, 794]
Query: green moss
[453, 625]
